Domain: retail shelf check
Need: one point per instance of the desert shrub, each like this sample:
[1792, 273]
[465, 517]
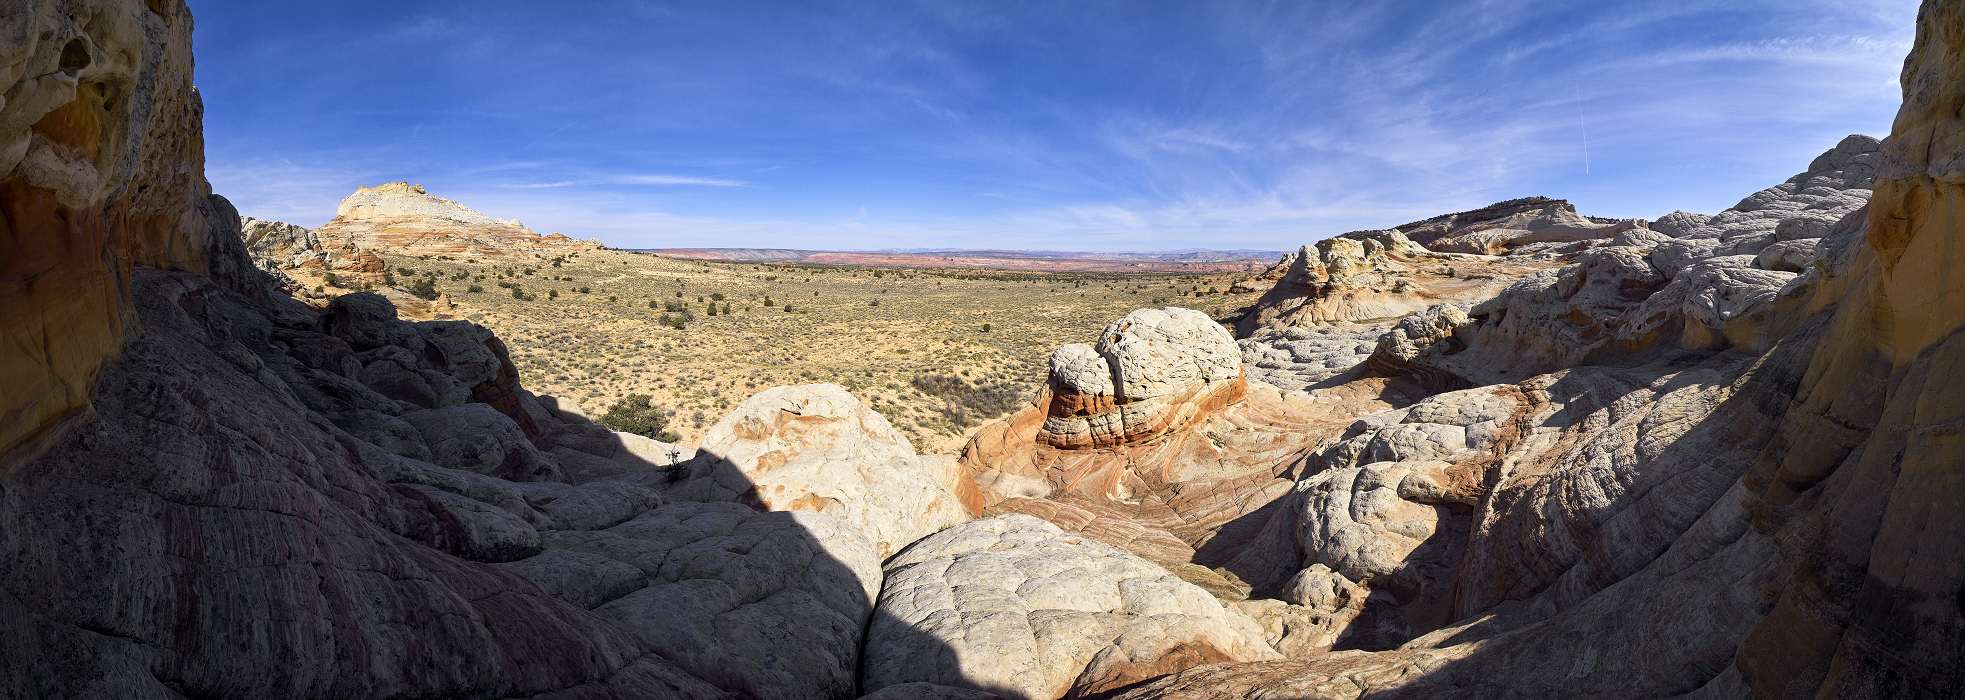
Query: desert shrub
[474, 289]
[965, 404]
[985, 328]
[717, 296]
[585, 290]
[637, 413]
[423, 288]
[333, 280]
[552, 294]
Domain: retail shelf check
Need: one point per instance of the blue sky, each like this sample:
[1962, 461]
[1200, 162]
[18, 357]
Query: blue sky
[1070, 126]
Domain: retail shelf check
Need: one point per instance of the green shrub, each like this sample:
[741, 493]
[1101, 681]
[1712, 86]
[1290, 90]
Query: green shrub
[637, 413]
[423, 288]
[965, 404]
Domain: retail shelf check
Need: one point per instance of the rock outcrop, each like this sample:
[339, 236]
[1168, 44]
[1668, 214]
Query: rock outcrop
[817, 448]
[1153, 371]
[1714, 513]
[1726, 283]
[1018, 607]
[1524, 225]
[405, 219]
[101, 170]
[1368, 276]
[1322, 320]
[281, 245]
[1187, 494]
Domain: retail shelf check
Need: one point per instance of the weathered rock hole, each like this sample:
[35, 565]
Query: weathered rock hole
[75, 57]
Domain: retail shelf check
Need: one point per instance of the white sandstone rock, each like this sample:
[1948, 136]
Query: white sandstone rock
[818, 448]
[1016, 605]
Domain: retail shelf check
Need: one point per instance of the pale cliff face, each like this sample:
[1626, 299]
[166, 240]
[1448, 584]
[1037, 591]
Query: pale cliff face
[410, 203]
[101, 169]
[405, 219]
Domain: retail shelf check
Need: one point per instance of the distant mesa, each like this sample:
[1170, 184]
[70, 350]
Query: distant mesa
[397, 218]
[404, 218]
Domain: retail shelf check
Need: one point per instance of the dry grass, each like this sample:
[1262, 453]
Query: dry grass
[874, 331]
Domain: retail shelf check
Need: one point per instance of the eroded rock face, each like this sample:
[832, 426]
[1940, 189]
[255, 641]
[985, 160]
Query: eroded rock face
[817, 448]
[406, 219]
[279, 245]
[101, 169]
[1016, 606]
[1803, 208]
[1369, 276]
[1318, 326]
[1524, 230]
[1725, 283]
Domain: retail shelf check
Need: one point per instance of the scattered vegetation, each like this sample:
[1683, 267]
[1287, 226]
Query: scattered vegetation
[966, 404]
[637, 413]
[424, 288]
[697, 338]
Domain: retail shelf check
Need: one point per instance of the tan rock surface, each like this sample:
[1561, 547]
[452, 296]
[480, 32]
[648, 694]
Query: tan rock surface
[817, 448]
[101, 169]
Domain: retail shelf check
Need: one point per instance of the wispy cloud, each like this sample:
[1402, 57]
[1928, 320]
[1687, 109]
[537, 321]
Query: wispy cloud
[632, 180]
[1052, 126]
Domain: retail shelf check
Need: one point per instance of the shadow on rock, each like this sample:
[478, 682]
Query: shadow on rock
[271, 501]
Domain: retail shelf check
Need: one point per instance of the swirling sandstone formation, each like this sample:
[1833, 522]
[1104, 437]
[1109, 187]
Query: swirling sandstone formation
[1711, 456]
[1717, 513]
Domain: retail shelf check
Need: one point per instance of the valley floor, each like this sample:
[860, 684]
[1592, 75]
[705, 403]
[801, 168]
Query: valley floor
[887, 335]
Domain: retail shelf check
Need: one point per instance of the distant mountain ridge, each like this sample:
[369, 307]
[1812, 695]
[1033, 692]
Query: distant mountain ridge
[1185, 260]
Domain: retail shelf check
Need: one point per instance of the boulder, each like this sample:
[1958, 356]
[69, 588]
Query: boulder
[817, 448]
[1015, 606]
[1153, 371]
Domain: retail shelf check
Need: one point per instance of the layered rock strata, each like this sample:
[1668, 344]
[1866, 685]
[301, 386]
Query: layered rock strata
[405, 219]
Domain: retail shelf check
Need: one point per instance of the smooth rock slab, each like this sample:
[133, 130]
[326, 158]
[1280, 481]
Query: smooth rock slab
[1016, 606]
